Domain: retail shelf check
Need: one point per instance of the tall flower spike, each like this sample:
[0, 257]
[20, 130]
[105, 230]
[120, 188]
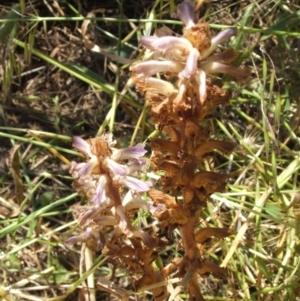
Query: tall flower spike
[179, 109]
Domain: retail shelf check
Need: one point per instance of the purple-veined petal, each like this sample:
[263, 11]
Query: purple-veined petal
[82, 145]
[136, 184]
[186, 13]
[218, 39]
[151, 67]
[132, 152]
[191, 65]
[86, 168]
[167, 43]
[116, 168]
[100, 194]
[137, 165]
[224, 35]
[88, 216]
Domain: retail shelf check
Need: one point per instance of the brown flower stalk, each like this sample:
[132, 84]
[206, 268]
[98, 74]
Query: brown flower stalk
[180, 102]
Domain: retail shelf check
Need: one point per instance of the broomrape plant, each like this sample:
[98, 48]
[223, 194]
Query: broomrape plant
[180, 102]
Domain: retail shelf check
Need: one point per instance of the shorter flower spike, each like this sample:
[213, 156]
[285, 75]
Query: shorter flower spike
[107, 178]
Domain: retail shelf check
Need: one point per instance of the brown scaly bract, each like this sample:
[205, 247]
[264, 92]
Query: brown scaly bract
[180, 101]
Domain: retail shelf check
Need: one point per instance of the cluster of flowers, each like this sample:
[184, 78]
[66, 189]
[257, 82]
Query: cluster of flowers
[187, 59]
[111, 189]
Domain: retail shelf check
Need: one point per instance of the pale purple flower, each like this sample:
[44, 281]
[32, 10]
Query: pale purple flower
[191, 65]
[174, 48]
[116, 168]
[132, 166]
[186, 13]
[89, 234]
[221, 37]
[134, 183]
[137, 165]
[82, 145]
[83, 168]
[121, 172]
[100, 194]
[108, 159]
[131, 152]
[152, 67]
[216, 67]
